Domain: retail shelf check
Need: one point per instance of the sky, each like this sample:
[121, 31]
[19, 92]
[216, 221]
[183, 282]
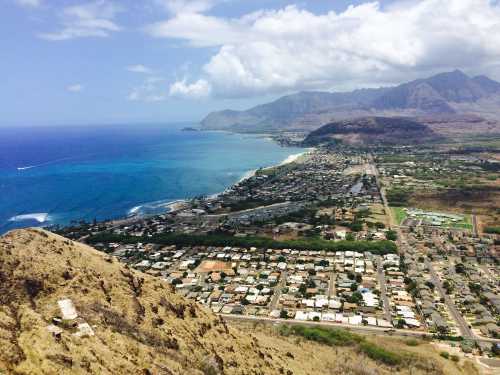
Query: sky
[78, 62]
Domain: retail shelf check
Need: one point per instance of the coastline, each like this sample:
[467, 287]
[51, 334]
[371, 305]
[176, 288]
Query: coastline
[179, 204]
[143, 180]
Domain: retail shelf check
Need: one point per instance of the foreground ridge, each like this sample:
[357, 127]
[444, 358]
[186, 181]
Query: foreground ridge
[65, 308]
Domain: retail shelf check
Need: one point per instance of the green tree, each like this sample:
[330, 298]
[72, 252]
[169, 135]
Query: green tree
[391, 235]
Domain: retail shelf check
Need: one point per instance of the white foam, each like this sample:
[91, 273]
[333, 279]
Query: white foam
[143, 209]
[247, 175]
[292, 158]
[134, 210]
[24, 168]
[41, 217]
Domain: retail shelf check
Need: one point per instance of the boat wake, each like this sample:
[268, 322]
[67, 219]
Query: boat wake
[42, 164]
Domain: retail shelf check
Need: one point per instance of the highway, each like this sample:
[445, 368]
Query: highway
[381, 189]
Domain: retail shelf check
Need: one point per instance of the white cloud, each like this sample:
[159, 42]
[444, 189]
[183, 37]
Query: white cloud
[153, 89]
[139, 68]
[293, 49]
[29, 3]
[187, 6]
[94, 19]
[77, 87]
[196, 90]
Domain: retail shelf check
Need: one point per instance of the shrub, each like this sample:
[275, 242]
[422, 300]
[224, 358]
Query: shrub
[445, 355]
[455, 358]
[391, 235]
[342, 337]
[492, 230]
[412, 342]
[380, 354]
[331, 337]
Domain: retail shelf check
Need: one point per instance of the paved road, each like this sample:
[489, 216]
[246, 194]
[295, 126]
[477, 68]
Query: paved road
[383, 289]
[358, 328]
[382, 190]
[331, 287]
[277, 291]
[457, 316]
[475, 230]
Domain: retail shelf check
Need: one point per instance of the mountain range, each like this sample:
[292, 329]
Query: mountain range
[448, 94]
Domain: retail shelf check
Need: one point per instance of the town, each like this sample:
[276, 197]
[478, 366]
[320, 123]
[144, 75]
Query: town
[330, 238]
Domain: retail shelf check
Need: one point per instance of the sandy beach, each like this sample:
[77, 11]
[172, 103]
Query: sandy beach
[290, 159]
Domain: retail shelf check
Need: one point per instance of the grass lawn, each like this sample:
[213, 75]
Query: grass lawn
[466, 223]
[399, 214]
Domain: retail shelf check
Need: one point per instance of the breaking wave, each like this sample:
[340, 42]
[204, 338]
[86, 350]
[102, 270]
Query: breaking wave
[40, 217]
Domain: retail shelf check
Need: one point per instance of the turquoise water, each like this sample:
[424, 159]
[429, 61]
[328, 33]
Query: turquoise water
[57, 175]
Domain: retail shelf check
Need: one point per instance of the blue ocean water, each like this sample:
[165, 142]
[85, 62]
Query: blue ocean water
[54, 175]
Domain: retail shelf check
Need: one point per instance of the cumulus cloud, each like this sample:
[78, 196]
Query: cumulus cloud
[153, 89]
[187, 6]
[196, 90]
[94, 19]
[139, 68]
[77, 87]
[293, 49]
[29, 3]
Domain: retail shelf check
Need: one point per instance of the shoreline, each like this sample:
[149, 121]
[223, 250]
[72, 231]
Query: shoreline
[179, 204]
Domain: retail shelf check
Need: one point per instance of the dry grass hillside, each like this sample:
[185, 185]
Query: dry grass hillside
[67, 309]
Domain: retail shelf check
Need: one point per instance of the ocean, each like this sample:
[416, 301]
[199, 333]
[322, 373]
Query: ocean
[56, 175]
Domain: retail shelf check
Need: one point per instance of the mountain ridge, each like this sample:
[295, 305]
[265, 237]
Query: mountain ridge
[137, 324]
[372, 130]
[441, 94]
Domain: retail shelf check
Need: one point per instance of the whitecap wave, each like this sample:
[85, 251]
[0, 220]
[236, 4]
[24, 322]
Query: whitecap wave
[41, 217]
[27, 167]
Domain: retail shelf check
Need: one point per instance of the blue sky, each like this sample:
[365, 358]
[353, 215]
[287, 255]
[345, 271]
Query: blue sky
[99, 61]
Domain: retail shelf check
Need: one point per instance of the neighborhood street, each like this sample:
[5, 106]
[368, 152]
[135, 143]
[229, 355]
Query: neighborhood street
[457, 316]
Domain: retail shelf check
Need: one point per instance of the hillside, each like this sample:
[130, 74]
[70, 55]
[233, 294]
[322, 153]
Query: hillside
[68, 309]
[372, 130]
[443, 94]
